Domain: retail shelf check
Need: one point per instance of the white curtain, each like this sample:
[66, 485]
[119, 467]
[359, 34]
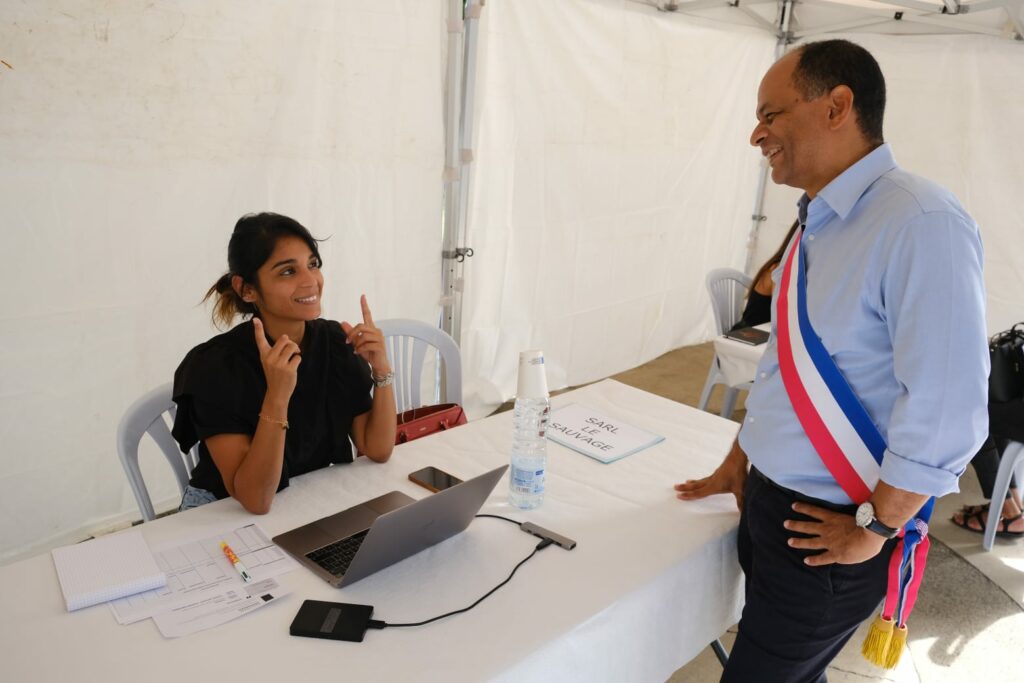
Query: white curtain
[132, 137]
[613, 171]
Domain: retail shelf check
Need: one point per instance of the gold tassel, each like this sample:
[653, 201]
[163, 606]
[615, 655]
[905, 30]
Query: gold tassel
[877, 644]
[899, 639]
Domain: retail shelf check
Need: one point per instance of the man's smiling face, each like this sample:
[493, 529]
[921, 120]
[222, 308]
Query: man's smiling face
[790, 130]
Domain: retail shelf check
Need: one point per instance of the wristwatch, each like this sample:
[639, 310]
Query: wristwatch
[385, 381]
[866, 520]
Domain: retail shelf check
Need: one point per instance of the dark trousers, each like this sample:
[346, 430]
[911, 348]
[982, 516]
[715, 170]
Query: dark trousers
[796, 618]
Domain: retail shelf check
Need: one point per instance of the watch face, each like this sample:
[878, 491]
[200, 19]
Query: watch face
[865, 513]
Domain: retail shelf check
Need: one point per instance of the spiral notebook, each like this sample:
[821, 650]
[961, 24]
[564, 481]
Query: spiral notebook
[106, 568]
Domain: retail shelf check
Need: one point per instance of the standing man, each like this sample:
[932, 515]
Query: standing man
[887, 277]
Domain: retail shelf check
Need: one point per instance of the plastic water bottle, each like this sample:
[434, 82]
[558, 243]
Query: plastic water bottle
[529, 424]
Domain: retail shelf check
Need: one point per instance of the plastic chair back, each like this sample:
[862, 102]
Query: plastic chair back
[1011, 464]
[146, 416]
[727, 288]
[407, 343]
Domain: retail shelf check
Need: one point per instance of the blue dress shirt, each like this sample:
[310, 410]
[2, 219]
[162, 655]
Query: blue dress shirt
[895, 291]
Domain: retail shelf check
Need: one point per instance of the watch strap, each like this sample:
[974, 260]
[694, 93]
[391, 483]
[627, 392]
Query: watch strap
[881, 529]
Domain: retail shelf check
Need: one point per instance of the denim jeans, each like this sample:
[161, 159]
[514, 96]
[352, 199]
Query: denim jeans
[194, 497]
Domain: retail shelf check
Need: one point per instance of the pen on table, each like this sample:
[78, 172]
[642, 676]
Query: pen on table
[233, 559]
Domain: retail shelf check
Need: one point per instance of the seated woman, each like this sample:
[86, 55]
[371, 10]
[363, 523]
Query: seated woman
[758, 309]
[281, 393]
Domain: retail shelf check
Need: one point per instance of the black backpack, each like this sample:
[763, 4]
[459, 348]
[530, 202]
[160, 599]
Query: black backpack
[1006, 381]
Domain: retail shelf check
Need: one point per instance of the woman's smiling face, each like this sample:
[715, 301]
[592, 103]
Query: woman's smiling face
[290, 283]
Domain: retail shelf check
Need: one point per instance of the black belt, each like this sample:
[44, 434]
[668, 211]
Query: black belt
[796, 495]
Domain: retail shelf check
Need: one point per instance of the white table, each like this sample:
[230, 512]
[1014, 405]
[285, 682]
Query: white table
[651, 582]
[738, 361]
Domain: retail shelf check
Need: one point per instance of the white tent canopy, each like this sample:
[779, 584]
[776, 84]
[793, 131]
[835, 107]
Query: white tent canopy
[598, 167]
[814, 18]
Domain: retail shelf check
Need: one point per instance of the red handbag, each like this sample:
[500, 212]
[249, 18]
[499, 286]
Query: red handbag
[425, 420]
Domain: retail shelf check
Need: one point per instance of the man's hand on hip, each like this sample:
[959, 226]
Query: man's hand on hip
[834, 532]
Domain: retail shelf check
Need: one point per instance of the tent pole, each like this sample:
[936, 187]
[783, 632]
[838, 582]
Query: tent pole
[473, 10]
[450, 269]
[785, 37]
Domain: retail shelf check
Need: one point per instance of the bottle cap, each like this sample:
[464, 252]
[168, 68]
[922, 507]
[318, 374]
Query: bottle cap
[533, 383]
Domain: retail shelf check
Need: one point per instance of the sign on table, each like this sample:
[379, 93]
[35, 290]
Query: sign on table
[596, 434]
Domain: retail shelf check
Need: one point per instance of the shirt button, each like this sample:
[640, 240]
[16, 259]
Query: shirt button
[750, 419]
[763, 375]
[810, 237]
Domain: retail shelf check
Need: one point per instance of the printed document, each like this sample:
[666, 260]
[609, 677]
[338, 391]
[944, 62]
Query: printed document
[220, 608]
[196, 569]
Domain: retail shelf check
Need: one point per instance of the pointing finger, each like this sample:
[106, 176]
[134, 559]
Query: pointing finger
[261, 337]
[367, 318]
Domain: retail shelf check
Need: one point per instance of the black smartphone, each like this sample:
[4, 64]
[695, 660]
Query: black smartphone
[434, 479]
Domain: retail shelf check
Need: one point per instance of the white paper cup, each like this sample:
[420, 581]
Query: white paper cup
[533, 382]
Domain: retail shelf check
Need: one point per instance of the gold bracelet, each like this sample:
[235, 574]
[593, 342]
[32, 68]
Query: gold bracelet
[275, 420]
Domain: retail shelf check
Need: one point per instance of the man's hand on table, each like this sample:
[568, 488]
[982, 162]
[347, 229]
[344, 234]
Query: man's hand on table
[730, 477]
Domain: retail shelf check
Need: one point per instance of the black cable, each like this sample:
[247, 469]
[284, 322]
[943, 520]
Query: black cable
[504, 518]
[540, 546]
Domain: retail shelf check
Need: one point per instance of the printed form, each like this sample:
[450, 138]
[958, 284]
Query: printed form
[197, 570]
[214, 610]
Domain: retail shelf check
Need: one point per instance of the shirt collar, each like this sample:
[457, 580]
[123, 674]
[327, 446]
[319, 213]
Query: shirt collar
[846, 189]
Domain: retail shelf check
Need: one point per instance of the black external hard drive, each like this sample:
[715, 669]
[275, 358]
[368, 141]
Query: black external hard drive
[333, 620]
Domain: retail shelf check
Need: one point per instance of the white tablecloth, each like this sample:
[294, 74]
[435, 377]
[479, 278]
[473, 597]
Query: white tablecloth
[738, 361]
[651, 582]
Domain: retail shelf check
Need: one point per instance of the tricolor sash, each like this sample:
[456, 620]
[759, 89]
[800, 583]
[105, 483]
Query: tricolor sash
[848, 443]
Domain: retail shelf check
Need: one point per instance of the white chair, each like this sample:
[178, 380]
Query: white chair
[726, 288]
[1012, 459]
[146, 415]
[407, 342]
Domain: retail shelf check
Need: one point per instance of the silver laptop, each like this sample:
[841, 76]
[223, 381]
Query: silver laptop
[354, 543]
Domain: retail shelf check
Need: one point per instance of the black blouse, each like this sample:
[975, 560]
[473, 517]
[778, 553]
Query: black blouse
[757, 311]
[219, 389]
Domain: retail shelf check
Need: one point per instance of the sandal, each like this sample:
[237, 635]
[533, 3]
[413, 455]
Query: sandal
[1005, 523]
[1002, 530]
[968, 510]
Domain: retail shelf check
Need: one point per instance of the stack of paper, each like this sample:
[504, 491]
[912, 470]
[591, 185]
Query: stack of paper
[105, 569]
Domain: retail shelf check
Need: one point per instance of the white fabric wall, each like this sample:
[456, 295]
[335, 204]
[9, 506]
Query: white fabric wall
[612, 172]
[954, 112]
[132, 136]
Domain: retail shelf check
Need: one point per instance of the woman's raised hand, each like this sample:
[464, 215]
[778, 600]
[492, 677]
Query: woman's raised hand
[368, 341]
[280, 362]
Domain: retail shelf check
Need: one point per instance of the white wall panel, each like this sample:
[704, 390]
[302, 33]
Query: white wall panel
[613, 172]
[132, 136]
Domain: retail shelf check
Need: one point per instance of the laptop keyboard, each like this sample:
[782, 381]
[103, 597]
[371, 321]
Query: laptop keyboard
[337, 556]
